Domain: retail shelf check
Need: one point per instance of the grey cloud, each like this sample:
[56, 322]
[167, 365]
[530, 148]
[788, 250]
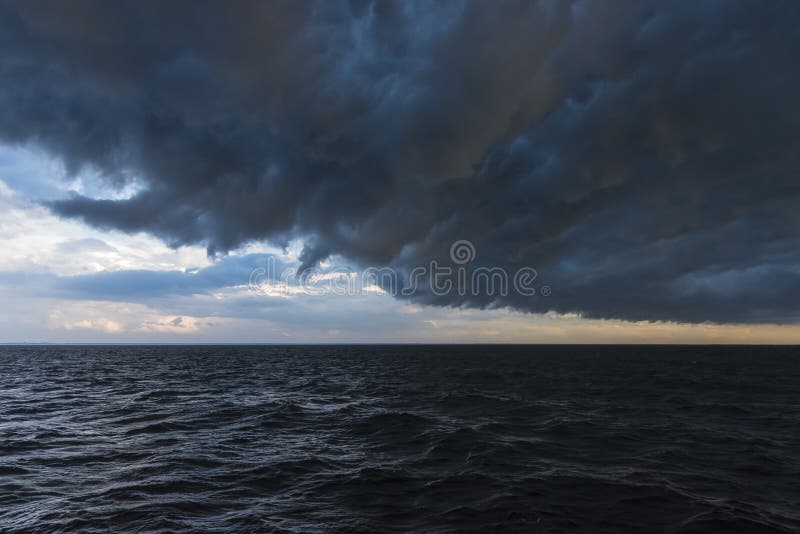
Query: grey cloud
[138, 285]
[642, 156]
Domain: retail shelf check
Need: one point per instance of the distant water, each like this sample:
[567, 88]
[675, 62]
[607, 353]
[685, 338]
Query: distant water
[413, 438]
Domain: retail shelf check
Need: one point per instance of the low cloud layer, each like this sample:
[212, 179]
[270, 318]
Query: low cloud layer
[643, 157]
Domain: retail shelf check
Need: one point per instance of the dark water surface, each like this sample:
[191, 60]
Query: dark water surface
[411, 438]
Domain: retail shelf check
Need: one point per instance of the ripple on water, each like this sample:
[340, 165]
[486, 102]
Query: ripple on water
[366, 439]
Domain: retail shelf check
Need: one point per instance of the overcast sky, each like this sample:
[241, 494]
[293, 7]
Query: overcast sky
[639, 159]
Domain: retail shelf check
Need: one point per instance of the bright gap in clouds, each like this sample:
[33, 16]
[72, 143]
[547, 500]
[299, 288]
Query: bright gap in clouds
[37, 175]
[35, 241]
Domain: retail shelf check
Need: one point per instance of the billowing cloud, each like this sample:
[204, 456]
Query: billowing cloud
[641, 156]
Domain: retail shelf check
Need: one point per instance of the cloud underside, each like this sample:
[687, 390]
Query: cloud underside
[642, 157]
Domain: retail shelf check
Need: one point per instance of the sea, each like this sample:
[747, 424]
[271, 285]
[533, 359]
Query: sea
[409, 438]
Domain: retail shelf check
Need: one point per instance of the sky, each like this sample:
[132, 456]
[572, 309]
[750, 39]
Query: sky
[334, 172]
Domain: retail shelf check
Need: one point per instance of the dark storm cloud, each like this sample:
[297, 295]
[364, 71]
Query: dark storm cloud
[642, 156]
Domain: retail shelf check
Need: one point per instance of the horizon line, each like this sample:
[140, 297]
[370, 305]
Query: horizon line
[395, 344]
